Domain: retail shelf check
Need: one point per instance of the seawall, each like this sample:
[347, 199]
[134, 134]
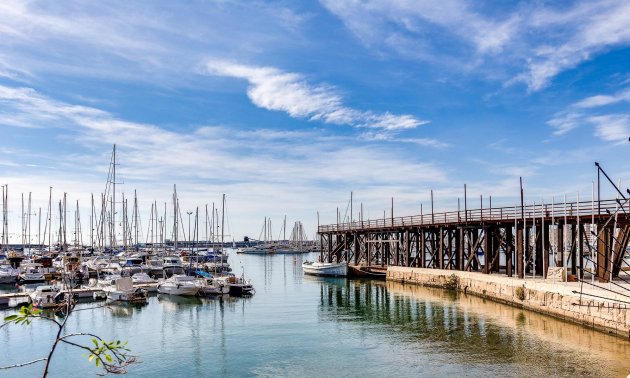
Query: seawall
[571, 301]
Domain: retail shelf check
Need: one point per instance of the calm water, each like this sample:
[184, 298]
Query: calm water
[310, 327]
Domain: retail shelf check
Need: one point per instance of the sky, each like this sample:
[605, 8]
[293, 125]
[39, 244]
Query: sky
[287, 106]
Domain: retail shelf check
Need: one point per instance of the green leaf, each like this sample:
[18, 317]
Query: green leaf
[95, 342]
[98, 362]
[91, 357]
[10, 318]
[108, 358]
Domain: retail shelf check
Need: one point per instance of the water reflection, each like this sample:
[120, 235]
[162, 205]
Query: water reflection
[473, 330]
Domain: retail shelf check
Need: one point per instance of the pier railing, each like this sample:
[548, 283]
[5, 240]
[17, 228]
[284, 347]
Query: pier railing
[497, 214]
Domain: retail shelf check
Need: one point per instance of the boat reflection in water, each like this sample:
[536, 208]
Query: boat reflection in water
[475, 333]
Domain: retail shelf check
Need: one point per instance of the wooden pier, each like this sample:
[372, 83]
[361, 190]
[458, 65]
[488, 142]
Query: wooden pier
[517, 240]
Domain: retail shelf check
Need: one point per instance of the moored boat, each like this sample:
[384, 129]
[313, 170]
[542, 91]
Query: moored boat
[46, 296]
[325, 269]
[238, 286]
[364, 271]
[178, 285]
[124, 292]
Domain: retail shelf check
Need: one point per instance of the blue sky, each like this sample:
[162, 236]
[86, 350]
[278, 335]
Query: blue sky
[287, 107]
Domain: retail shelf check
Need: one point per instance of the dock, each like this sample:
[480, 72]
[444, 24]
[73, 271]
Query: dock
[581, 244]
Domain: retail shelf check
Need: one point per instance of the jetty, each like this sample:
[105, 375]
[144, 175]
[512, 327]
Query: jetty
[564, 259]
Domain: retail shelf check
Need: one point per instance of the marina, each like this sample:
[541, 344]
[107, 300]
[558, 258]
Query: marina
[300, 325]
[444, 188]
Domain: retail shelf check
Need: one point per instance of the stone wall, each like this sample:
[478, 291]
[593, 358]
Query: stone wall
[555, 298]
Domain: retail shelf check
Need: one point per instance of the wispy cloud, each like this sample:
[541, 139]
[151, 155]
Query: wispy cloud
[273, 89]
[610, 127]
[286, 167]
[572, 33]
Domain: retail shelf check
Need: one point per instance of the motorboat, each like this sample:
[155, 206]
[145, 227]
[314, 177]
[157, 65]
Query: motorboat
[172, 265]
[218, 267]
[8, 274]
[134, 265]
[238, 285]
[31, 273]
[156, 267]
[325, 269]
[124, 292]
[46, 296]
[142, 278]
[210, 286]
[179, 284]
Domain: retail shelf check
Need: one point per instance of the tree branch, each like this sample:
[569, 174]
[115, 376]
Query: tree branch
[23, 364]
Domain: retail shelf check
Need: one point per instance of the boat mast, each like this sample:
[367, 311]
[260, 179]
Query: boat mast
[222, 226]
[50, 220]
[92, 221]
[175, 215]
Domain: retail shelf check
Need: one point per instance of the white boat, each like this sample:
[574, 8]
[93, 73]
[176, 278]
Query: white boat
[172, 265]
[31, 272]
[325, 269]
[210, 286]
[179, 284]
[142, 278]
[156, 267]
[46, 296]
[237, 285]
[8, 275]
[124, 291]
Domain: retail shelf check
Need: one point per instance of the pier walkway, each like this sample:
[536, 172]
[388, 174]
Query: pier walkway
[581, 238]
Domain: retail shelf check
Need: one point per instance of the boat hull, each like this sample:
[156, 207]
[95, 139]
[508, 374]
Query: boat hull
[360, 271]
[326, 269]
[174, 290]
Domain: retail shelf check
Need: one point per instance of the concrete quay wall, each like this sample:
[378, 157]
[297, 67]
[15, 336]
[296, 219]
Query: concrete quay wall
[595, 307]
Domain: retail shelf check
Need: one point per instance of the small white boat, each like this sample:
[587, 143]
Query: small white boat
[172, 265]
[125, 292]
[238, 285]
[31, 272]
[208, 285]
[325, 269]
[8, 275]
[179, 285]
[46, 296]
[142, 278]
[156, 266]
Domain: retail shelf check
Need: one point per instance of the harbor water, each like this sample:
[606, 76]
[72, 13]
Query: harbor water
[302, 326]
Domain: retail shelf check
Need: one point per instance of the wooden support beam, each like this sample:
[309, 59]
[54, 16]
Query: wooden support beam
[573, 250]
[407, 247]
[487, 250]
[604, 246]
[423, 248]
[520, 252]
[545, 248]
[509, 250]
[459, 241]
[560, 244]
[578, 249]
[357, 249]
[441, 248]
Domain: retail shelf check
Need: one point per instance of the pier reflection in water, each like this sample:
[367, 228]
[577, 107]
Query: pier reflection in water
[302, 326]
[448, 332]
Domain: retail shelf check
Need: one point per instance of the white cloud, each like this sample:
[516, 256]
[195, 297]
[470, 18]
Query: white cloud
[564, 122]
[612, 127]
[603, 100]
[273, 89]
[264, 172]
[608, 127]
[538, 40]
